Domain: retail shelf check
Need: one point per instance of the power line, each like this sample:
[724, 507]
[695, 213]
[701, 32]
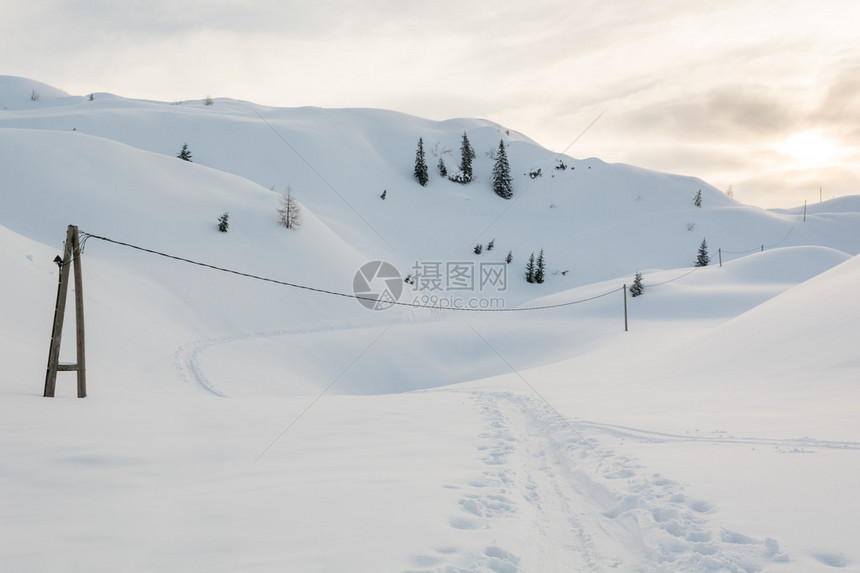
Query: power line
[691, 271]
[87, 236]
[764, 246]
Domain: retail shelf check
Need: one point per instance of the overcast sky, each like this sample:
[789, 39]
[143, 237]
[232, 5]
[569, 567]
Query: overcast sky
[760, 95]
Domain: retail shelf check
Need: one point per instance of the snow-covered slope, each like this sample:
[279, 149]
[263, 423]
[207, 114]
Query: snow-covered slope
[596, 221]
[247, 425]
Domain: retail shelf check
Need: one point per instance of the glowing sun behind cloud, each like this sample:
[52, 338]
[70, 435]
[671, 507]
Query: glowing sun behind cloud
[809, 149]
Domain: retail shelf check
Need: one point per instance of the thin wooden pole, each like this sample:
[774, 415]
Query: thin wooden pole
[720, 252]
[804, 210]
[79, 316]
[625, 306]
[71, 256]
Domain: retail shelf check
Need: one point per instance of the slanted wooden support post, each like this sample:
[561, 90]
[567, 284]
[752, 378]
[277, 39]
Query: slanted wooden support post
[71, 256]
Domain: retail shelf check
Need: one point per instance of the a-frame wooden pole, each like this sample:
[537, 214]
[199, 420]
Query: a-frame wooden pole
[71, 256]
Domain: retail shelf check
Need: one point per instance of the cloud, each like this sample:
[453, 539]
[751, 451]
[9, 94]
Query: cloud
[840, 106]
[793, 187]
[727, 113]
[699, 88]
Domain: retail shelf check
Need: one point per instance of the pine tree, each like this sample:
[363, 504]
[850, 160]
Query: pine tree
[637, 287]
[479, 248]
[443, 171]
[502, 174]
[223, 223]
[185, 153]
[540, 268]
[289, 211]
[491, 244]
[384, 193]
[467, 154]
[530, 269]
[420, 172]
[703, 259]
[697, 200]
[509, 259]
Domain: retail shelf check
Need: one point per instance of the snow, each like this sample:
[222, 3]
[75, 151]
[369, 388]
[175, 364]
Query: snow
[239, 425]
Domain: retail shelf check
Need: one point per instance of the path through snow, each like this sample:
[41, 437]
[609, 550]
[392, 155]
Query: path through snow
[577, 505]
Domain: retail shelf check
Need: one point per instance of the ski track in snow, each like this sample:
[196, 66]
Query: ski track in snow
[797, 445]
[186, 358]
[587, 512]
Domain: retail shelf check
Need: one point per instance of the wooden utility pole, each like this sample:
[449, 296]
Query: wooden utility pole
[624, 288]
[71, 256]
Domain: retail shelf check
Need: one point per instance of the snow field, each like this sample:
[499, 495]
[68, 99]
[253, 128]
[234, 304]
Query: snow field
[245, 426]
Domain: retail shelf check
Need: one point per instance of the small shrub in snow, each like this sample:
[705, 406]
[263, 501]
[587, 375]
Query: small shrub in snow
[443, 171]
[384, 193]
[479, 248]
[459, 177]
[509, 258]
[535, 173]
[223, 222]
[34, 96]
[697, 200]
[491, 244]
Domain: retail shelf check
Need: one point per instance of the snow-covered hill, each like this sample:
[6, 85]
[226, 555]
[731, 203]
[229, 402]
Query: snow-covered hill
[245, 425]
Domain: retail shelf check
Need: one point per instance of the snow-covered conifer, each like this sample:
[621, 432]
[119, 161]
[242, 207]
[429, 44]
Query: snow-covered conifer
[637, 287]
[703, 259]
[467, 154]
[502, 174]
[530, 269]
[420, 171]
[443, 171]
[540, 268]
[184, 153]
